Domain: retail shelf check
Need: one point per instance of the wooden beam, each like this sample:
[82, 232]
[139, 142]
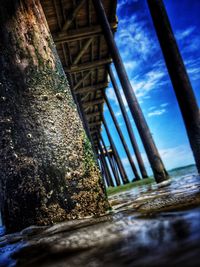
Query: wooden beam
[81, 33]
[94, 128]
[72, 16]
[82, 80]
[91, 88]
[92, 124]
[99, 46]
[82, 51]
[59, 24]
[93, 132]
[93, 102]
[95, 141]
[84, 97]
[57, 13]
[89, 65]
[89, 9]
[92, 115]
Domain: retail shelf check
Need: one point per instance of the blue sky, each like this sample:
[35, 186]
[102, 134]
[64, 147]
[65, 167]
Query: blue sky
[139, 48]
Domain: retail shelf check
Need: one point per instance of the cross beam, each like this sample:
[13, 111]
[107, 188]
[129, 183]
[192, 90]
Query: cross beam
[92, 132]
[92, 103]
[82, 51]
[85, 32]
[92, 115]
[72, 16]
[89, 65]
[91, 88]
[92, 124]
[82, 80]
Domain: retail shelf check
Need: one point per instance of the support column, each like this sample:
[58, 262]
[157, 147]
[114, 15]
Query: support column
[77, 100]
[137, 177]
[115, 166]
[157, 165]
[110, 161]
[178, 74]
[128, 125]
[82, 115]
[41, 181]
[117, 171]
[118, 160]
[103, 171]
[106, 168]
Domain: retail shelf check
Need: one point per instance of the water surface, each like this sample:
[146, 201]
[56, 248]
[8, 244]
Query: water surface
[149, 226]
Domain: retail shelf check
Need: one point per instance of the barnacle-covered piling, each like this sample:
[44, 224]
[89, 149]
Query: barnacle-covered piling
[47, 169]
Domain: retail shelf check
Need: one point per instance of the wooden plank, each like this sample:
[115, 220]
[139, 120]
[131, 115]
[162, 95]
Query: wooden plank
[85, 97]
[88, 104]
[72, 16]
[81, 33]
[92, 132]
[88, 65]
[92, 124]
[82, 51]
[94, 128]
[91, 88]
[82, 80]
[92, 115]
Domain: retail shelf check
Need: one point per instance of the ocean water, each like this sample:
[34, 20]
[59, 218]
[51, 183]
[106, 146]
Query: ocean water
[148, 227]
[183, 171]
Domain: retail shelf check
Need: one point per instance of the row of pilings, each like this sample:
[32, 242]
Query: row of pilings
[113, 168]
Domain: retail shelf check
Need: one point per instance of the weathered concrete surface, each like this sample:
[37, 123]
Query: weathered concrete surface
[127, 237]
[47, 168]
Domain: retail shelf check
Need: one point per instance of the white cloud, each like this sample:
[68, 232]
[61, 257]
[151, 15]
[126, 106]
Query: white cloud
[121, 3]
[136, 45]
[172, 157]
[151, 81]
[121, 124]
[152, 108]
[124, 2]
[111, 96]
[147, 97]
[142, 86]
[157, 112]
[192, 46]
[193, 68]
[180, 35]
[177, 156]
[164, 105]
[118, 114]
[130, 65]
[189, 40]
[134, 39]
